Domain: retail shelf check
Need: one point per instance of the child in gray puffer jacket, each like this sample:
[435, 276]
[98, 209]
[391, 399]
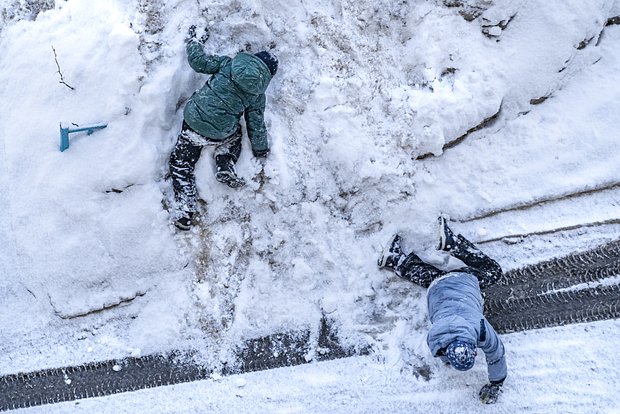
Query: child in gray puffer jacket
[455, 305]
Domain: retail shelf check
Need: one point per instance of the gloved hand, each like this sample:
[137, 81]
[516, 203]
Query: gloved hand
[260, 153]
[191, 34]
[489, 393]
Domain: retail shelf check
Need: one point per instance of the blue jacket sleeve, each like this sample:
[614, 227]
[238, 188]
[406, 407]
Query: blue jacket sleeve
[201, 62]
[494, 351]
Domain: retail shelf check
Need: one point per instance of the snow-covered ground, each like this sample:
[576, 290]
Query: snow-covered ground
[555, 370]
[92, 269]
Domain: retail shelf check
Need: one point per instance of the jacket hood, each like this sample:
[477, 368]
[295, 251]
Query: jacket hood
[250, 74]
[447, 329]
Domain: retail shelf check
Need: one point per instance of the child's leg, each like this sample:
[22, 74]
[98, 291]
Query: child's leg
[226, 155]
[182, 164]
[415, 270]
[487, 270]
[230, 147]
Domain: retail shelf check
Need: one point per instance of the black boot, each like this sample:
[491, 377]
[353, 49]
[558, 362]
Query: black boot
[226, 172]
[392, 254]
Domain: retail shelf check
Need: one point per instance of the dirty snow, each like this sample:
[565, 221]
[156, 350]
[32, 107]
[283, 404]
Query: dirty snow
[92, 268]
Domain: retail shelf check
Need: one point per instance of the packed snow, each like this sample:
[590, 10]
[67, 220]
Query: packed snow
[366, 98]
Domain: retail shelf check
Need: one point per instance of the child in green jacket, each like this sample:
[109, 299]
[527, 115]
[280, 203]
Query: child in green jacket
[211, 117]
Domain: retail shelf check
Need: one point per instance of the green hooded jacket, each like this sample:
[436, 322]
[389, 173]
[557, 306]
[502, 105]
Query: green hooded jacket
[237, 87]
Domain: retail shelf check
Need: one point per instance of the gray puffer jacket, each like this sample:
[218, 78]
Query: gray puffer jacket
[455, 308]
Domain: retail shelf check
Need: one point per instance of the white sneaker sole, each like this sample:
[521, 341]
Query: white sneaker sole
[441, 231]
[386, 252]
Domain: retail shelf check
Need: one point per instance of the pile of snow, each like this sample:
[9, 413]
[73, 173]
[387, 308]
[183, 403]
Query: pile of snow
[92, 268]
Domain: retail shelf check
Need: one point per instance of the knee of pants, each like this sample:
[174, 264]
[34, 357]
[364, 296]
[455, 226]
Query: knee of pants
[184, 156]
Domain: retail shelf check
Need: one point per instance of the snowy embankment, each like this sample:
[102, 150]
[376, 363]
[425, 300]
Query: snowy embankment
[92, 268]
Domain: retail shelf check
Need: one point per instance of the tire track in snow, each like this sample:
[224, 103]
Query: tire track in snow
[557, 309]
[590, 207]
[98, 379]
[582, 287]
[543, 200]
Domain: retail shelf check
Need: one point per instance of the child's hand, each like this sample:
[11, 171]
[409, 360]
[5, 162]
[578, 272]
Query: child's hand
[191, 34]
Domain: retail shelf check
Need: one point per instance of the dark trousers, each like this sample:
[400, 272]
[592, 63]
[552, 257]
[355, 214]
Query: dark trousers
[486, 270]
[186, 154]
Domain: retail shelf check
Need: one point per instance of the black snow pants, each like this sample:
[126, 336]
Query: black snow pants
[186, 154]
[486, 270]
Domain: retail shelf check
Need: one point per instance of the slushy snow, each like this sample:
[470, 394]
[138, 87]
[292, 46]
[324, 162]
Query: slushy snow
[366, 98]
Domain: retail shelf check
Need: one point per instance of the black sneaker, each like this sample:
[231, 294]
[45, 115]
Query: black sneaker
[184, 223]
[391, 254]
[230, 179]
[446, 237]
